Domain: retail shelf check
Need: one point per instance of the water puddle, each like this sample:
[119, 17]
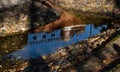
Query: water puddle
[45, 43]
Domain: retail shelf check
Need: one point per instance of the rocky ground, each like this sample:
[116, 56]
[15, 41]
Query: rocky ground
[19, 16]
[91, 55]
[99, 6]
[25, 16]
[99, 53]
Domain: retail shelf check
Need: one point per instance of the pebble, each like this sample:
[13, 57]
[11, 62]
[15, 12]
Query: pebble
[63, 53]
[44, 57]
[0, 66]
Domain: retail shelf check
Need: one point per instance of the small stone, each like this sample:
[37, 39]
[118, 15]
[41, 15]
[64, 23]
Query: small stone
[68, 64]
[94, 46]
[63, 53]
[60, 70]
[6, 51]
[70, 47]
[0, 66]
[44, 57]
[55, 67]
[106, 61]
[73, 71]
[23, 29]
[89, 50]
[51, 64]
[80, 45]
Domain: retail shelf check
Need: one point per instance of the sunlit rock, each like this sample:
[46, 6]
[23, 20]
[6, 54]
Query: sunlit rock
[18, 16]
[44, 57]
[95, 6]
[92, 64]
[7, 3]
[0, 66]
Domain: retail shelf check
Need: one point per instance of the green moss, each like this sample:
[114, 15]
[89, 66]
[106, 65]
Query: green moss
[115, 38]
[118, 65]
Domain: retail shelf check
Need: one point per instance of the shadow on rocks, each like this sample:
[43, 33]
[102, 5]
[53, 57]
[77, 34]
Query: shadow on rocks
[37, 65]
[41, 13]
[117, 48]
[117, 3]
[113, 64]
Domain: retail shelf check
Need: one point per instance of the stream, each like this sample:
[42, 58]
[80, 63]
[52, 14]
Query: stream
[33, 45]
[44, 43]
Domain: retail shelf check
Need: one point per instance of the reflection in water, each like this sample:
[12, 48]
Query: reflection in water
[69, 31]
[64, 34]
[46, 43]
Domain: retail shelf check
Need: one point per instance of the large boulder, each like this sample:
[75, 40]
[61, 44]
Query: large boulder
[43, 12]
[21, 15]
[7, 3]
[107, 7]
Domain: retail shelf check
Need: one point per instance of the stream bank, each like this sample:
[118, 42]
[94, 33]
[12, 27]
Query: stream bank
[94, 54]
[105, 7]
[21, 16]
[92, 50]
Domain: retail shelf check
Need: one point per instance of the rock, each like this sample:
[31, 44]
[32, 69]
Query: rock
[50, 64]
[0, 66]
[89, 50]
[43, 13]
[94, 45]
[55, 67]
[44, 57]
[92, 64]
[18, 16]
[70, 47]
[100, 6]
[14, 19]
[7, 3]
[63, 53]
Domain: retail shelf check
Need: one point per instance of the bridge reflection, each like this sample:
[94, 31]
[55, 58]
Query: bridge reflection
[63, 34]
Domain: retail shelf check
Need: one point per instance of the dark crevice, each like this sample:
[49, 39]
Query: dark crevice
[117, 48]
[106, 42]
[41, 13]
[117, 3]
[110, 66]
[37, 65]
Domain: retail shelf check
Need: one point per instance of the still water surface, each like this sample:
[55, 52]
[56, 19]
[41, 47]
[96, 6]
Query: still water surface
[45, 43]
